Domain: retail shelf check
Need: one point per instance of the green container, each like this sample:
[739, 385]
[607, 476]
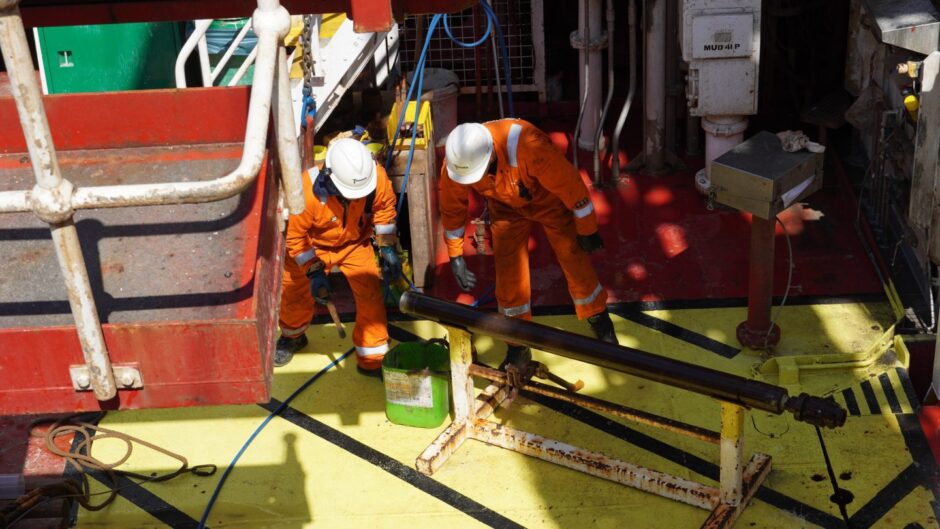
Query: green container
[109, 57]
[417, 384]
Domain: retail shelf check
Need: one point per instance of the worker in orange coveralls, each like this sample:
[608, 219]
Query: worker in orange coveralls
[525, 180]
[345, 203]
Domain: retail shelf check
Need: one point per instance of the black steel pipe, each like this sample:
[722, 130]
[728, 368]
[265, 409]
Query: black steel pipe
[709, 382]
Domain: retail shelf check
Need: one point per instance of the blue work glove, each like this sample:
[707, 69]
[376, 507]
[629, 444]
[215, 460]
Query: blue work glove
[319, 284]
[391, 264]
[466, 279]
[591, 243]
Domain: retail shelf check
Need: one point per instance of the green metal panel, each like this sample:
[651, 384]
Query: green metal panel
[109, 57]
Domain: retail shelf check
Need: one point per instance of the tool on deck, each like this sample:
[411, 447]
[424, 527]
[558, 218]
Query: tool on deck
[541, 371]
[324, 294]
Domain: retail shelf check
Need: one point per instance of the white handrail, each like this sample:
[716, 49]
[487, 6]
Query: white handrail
[54, 199]
[236, 42]
[198, 34]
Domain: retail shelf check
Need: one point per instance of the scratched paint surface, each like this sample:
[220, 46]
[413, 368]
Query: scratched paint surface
[337, 462]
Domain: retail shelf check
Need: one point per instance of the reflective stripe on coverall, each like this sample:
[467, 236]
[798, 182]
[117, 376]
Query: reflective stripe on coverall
[320, 233]
[534, 182]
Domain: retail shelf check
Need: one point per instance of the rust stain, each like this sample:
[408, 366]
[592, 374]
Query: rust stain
[112, 268]
[30, 256]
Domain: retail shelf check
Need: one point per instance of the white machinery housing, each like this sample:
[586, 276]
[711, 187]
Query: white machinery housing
[721, 42]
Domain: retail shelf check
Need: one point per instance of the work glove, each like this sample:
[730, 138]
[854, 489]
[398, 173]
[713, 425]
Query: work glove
[391, 264]
[319, 284]
[518, 365]
[466, 279]
[591, 243]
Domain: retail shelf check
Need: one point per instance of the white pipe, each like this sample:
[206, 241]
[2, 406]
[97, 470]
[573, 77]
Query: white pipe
[50, 199]
[256, 133]
[654, 89]
[499, 88]
[591, 31]
[625, 110]
[722, 133]
[14, 201]
[287, 148]
[180, 68]
[585, 39]
[229, 52]
[82, 301]
[610, 94]
[204, 67]
[243, 69]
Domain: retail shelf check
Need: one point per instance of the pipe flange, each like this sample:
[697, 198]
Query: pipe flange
[734, 125]
[53, 205]
[577, 42]
[270, 21]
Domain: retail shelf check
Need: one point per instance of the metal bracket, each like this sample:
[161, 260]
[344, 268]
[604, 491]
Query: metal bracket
[126, 376]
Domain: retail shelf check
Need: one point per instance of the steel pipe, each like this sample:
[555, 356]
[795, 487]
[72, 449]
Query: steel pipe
[585, 37]
[50, 199]
[592, 403]
[591, 53]
[287, 148]
[625, 110]
[716, 384]
[598, 133]
[84, 311]
[654, 89]
[756, 332]
[197, 35]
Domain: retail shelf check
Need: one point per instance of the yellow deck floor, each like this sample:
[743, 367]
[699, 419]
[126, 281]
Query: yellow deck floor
[334, 461]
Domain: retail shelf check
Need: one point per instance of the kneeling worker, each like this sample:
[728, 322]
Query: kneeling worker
[525, 180]
[345, 202]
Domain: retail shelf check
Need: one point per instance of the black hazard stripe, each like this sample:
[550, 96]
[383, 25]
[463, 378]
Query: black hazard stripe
[407, 474]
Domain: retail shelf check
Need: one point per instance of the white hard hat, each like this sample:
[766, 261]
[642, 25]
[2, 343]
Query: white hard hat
[352, 168]
[468, 151]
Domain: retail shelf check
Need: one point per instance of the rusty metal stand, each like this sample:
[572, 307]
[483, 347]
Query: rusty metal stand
[738, 482]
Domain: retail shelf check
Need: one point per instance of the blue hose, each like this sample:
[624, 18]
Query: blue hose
[282, 407]
[503, 51]
[481, 40]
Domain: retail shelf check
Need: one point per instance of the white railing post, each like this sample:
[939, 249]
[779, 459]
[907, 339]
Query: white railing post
[50, 199]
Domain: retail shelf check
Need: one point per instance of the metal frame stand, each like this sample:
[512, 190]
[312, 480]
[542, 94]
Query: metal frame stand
[738, 482]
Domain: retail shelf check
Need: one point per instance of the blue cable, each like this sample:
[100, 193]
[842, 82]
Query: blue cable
[485, 298]
[502, 47]
[228, 470]
[489, 26]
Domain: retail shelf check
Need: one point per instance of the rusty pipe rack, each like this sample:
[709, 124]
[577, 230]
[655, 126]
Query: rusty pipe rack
[739, 478]
[726, 387]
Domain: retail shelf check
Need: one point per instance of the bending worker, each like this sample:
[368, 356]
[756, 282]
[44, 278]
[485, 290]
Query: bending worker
[525, 180]
[344, 203]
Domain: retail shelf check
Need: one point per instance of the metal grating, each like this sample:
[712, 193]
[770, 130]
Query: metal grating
[516, 21]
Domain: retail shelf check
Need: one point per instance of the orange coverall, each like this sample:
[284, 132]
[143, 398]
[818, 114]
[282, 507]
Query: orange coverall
[534, 182]
[340, 237]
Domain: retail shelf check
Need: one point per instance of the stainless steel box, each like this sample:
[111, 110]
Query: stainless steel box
[759, 177]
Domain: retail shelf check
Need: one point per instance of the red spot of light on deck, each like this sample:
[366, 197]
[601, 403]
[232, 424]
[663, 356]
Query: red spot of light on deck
[672, 239]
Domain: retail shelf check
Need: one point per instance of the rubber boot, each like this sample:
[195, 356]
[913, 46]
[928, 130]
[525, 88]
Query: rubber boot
[374, 373]
[603, 328]
[286, 347]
